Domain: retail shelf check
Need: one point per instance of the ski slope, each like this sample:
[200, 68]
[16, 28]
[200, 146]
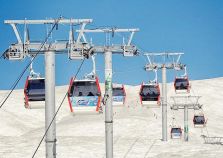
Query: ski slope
[137, 129]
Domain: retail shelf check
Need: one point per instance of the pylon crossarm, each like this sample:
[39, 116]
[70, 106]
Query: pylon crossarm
[20, 51]
[191, 102]
[110, 30]
[189, 106]
[174, 64]
[126, 49]
[48, 21]
[14, 23]
[166, 54]
[76, 49]
[115, 49]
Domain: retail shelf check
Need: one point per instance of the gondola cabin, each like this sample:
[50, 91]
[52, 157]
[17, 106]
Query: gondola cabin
[84, 95]
[181, 84]
[199, 121]
[34, 90]
[149, 94]
[119, 95]
[176, 132]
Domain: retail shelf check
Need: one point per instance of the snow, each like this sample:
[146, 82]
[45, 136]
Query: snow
[137, 129]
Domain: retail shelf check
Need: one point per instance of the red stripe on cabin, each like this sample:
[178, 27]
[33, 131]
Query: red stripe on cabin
[25, 94]
[99, 97]
[140, 92]
[175, 83]
[69, 101]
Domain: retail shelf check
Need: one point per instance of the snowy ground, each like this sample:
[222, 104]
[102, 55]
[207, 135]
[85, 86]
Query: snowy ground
[137, 129]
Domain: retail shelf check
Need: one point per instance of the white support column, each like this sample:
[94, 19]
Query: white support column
[186, 123]
[164, 104]
[50, 104]
[108, 106]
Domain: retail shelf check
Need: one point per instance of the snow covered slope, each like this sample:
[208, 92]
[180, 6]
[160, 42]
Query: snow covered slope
[137, 129]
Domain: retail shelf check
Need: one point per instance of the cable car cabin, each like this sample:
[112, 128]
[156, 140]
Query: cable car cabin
[34, 90]
[84, 95]
[181, 84]
[176, 133]
[150, 94]
[119, 95]
[199, 121]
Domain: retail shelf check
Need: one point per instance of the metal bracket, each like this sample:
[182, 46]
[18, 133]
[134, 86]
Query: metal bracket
[105, 98]
[32, 73]
[78, 51]
[129, 51]
[92, 74]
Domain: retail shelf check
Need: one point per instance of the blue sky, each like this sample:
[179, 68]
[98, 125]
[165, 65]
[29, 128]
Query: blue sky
[189, 26]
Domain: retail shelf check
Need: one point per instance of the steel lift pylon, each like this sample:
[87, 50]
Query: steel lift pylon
[166, 61]
[77, 49]
[186, 103]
